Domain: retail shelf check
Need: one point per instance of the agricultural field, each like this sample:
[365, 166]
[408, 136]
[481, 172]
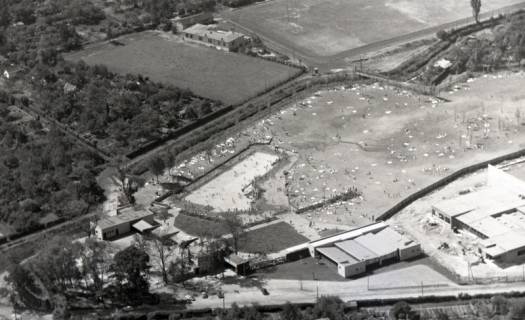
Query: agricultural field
[164, 57]
[324, 28]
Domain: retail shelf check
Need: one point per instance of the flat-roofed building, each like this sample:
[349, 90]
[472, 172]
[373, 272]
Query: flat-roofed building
[126, 220]
[356, 251]
[495, 214]
[212, 36]
[347, 266]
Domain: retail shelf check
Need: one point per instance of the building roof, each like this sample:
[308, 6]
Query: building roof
[235, 260]
[348, 235]
[385, 242]
[298, 247]
[356, 250]
[126, 215]
[211, 32]
[497, 212]
[142, 226]
[337, 255]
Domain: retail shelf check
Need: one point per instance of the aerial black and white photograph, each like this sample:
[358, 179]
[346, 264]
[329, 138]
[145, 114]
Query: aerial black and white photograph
[262, 160]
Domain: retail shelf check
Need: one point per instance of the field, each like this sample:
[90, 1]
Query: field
[229, 191]
[199, 227]
[328, 27]
[272, 238]
[387, 143]
[163, 57]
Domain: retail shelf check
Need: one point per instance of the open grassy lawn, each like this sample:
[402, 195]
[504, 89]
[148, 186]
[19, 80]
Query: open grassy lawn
[272, 238]
[328, 27]
[199, 227]
[163, 57]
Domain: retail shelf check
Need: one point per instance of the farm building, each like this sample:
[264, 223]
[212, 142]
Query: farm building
[495, 214]
[211, 36]
[356, 251]
[181, 23]
[126, 220]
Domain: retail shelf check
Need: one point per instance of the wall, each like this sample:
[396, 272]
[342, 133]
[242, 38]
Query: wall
[111, 232]
[350, 270]
[410, 252]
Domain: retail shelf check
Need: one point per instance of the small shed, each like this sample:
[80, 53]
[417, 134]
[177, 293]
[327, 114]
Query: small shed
[240, 266]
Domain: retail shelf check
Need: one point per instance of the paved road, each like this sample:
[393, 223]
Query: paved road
[346, 291]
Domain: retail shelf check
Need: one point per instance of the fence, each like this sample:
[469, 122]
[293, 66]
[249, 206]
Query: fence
[257, 265]
[348, 195]
[206, 128]
[419, 88]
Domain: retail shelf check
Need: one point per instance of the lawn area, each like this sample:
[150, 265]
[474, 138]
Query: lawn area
[199, 227]
[164, 57]
[272, 238]
[328, 27]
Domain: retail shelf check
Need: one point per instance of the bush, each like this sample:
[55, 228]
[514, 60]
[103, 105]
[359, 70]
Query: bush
[442, 35]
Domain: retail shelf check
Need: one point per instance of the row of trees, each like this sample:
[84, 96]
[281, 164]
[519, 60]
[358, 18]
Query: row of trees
[484, 53]
[73, 270]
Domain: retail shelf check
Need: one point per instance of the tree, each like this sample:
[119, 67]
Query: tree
[235, 227]
[442, 315]
[130, 269]
[128, 182]
[500, 305]
[402, 311]
[5, 19]
[95, 265]
[163, 249]
[24, 286]
[156, 165]
[517, 310]
[330, 307]
[476, 8]
[291, 312]
[55, 265]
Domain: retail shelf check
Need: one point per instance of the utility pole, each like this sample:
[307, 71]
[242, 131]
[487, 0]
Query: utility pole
[421, 288]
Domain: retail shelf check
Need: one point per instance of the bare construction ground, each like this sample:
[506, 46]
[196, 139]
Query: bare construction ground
[455, 251]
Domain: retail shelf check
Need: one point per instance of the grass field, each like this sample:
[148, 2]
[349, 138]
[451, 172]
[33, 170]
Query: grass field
[199, 227]
[272, 238]
[328, 27]
[163, 57]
